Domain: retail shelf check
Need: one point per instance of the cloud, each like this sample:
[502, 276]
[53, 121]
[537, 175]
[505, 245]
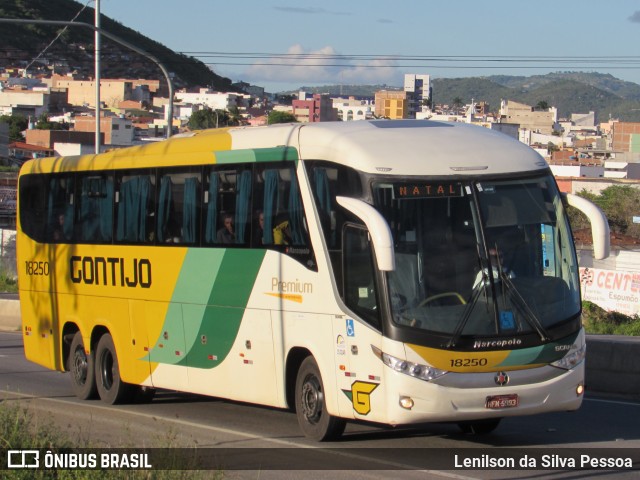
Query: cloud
[320, 66]
[385, 20]
[635, 18]
[309, 11]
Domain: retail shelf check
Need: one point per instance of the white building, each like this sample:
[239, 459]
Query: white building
[26, 102]
[577, 169]
[214, 100]
[418, 89]
[350, 109]
[621, 169]
[530, 137]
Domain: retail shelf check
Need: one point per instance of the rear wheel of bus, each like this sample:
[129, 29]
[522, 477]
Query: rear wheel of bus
[82, 370]
[311, 408]
[110, 386]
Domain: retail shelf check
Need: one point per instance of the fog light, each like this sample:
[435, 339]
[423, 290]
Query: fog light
[579, 389]
[406, 403]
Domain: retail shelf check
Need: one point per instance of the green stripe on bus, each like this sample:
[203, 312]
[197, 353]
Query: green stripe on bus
[207, 306]
[276, 154]
[227, 303]
[543, 354]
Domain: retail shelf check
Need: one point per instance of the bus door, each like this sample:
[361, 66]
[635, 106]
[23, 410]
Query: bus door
[359, 372]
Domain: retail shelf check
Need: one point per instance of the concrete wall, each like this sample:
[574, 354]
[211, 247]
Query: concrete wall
[613, 364]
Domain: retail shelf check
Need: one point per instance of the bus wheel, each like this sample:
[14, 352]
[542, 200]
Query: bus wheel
[311, 409]
[479, 427]
[83, 379]
[111, 388]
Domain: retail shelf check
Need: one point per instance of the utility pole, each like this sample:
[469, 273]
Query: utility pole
[97, 72]
[124, 43]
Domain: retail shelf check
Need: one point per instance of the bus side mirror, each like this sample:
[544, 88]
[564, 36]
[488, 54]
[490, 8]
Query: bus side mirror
[599, 224]
[378, 229]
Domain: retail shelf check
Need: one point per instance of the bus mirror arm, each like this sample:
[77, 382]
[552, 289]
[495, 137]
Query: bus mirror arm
[378, 229]
[599, 224]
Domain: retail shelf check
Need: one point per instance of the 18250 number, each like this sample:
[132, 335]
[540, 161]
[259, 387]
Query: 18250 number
[36, 268]
[468, 362]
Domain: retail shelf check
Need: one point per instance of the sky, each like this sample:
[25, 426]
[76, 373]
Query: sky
[284, 45]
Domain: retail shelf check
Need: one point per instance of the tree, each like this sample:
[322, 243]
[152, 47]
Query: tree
[208, 118]
[43, 123]
[457, 103]
[619, 203]
[542, 105]
[17, 124]
[234, 117]
[280, 117]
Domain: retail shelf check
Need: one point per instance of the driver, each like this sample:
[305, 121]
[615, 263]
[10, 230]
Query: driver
[497, 264]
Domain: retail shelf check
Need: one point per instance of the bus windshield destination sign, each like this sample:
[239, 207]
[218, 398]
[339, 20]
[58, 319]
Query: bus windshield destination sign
[426, 190]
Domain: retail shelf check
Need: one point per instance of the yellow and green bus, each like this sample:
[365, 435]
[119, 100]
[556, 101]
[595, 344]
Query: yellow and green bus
[396, 272]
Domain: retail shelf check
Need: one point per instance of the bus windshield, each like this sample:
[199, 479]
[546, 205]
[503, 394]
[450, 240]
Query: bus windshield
[490, 257]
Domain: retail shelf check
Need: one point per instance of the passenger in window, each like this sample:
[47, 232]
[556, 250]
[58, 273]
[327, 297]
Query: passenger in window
[58, 232]
[282, 231]
[258, 235]
[226, 234]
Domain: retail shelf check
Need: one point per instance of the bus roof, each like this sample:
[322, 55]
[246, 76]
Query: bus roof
[394, 147]
[417, 147]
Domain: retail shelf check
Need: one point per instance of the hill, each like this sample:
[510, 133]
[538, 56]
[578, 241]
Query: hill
[601, 81]
[570, 92]
[74, 49]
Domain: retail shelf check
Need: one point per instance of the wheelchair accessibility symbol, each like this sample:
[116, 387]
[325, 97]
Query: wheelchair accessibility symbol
[351, 330]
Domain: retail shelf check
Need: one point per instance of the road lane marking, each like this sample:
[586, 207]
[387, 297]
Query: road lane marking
[385, 464]
[616, 402]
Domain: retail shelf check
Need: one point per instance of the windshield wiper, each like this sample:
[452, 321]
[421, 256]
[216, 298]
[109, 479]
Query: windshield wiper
[466, 314]
[521, 303]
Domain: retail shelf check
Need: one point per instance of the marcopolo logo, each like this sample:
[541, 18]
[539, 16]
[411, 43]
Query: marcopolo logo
[23, 459]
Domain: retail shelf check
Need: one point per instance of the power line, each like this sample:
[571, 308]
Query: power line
[306, 60]
[57, 36]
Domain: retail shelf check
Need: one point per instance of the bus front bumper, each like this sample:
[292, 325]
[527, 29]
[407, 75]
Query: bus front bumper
[410, 400]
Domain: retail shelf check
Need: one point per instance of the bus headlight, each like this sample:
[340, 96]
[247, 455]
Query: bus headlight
[572, 359]
[416, 370]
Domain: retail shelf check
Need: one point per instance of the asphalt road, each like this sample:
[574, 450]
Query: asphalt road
[179, 420]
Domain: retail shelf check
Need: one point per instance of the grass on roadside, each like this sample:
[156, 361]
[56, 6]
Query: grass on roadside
[18, 431]
[599, 321]
[8, 283]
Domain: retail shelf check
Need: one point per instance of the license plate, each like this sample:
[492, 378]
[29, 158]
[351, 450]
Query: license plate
[502, 401]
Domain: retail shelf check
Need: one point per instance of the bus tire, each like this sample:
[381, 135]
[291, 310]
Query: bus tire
[479, 427]
[111, 388]
[311, 408]
[82, 370]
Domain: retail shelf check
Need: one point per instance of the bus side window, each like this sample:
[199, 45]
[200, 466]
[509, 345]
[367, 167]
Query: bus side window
[359, 290]
[242, 217]
[34, 219]
[95, 209]
[60, 208]
[177, 211]
[135, 209]
[284, 224]
[210, 207]
[227, 208]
